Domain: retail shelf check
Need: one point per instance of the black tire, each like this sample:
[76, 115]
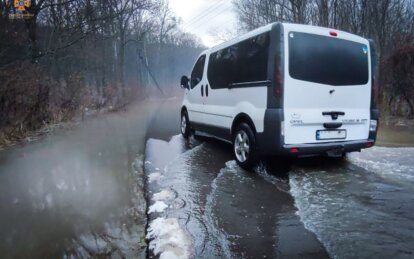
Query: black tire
[244, 147]
[185, 125]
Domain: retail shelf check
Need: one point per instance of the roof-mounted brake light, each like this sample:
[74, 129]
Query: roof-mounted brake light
[333, 33]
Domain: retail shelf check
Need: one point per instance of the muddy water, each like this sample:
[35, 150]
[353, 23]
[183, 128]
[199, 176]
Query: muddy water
[395, 136]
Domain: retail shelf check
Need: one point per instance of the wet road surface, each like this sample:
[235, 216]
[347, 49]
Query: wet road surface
[358, 207]
[225, 210]
[80, 194]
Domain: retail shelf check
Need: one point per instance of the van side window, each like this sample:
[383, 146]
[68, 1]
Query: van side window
[243, 62]
[197, 73]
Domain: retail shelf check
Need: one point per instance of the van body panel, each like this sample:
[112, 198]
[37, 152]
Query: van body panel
[223, 105]
[305, 102]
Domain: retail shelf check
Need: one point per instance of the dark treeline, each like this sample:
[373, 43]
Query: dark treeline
[390, 23]
[66, 55]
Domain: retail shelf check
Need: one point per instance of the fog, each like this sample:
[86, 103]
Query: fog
[78, 193]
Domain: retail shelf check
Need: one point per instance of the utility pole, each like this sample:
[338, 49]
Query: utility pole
[150, 74]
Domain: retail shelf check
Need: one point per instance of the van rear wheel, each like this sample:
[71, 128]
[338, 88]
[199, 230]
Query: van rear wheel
[244, 147]
[185, 125]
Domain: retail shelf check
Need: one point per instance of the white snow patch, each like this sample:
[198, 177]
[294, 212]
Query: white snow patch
[168, 239]
[158, 206]
[163, 195]
[154, 177]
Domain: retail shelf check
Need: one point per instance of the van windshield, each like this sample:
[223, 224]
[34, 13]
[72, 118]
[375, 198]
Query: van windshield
[327, 60]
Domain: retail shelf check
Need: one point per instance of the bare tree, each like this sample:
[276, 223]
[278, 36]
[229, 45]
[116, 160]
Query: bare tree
[390, 23]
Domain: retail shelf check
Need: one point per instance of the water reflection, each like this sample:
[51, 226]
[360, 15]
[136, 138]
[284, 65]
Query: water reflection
[78, 194]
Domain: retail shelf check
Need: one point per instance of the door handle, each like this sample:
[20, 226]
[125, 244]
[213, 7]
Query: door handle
[334, 114]
[202, 90]
[207, 90]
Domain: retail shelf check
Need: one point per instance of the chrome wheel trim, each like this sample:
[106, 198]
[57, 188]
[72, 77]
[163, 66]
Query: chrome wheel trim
[183, 124]
[241, 146]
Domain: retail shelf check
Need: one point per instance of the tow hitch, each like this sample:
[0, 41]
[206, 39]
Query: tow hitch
[337, 152]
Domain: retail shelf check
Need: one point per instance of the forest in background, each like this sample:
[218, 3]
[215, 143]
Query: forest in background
[68, 56]
[390, 23]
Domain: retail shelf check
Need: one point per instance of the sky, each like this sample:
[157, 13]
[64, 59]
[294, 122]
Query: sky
[205, 18]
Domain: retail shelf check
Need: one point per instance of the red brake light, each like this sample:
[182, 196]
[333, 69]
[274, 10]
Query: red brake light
[333, 33]
[294, 150]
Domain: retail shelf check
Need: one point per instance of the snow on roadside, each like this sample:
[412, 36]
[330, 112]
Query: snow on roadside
[158, 206]
[168, 240]
[154, 177]
[164, 195]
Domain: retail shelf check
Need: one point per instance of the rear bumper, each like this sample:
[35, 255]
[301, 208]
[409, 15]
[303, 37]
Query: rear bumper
[271, 140]
[334, 148]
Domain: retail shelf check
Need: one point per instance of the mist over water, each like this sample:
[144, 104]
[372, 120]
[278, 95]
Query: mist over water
[79, 193]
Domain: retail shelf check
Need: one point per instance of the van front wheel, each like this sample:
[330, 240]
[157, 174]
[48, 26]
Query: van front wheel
[185, 125]
[244, 147]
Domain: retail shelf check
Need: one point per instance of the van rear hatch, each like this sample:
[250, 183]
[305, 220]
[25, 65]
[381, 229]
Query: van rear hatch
[327, 87]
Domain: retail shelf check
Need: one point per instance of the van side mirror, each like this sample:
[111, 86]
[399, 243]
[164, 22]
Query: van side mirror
[184, 82]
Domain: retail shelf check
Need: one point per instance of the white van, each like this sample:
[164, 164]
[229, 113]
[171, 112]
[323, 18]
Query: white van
[284, 89]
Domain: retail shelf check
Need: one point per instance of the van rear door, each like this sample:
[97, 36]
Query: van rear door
[327, 86]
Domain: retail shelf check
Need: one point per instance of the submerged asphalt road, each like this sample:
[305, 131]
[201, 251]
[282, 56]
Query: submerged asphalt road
[202, 205]
[80, 194]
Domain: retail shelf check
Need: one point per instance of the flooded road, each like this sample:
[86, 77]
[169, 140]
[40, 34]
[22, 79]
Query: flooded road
[80, 194]
[222, 209]
[77, 194]
[362, 207]
[358, 207]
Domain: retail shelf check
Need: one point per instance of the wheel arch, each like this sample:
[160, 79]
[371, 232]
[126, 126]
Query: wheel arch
[242, 118]
[184, 109]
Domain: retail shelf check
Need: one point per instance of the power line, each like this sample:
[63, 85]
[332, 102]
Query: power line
[203, 16]
[207, 10]
[209, 17]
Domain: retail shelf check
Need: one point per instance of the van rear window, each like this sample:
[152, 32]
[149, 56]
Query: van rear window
[327, 60]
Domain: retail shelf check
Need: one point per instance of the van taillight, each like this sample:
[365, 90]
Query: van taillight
[278, 83]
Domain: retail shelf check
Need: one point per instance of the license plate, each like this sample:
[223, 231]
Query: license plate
[330, 134]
